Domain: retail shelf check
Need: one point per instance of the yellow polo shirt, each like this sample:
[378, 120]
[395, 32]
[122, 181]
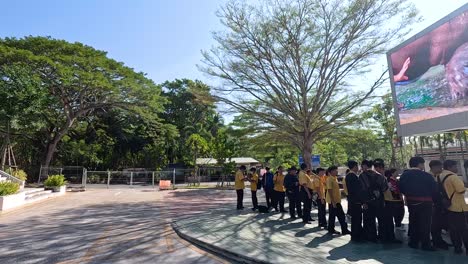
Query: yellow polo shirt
[254, 181]
[239, 183]
[278, 180]
[333, 187]
[319, 187]
[305, 179]
[454, 185]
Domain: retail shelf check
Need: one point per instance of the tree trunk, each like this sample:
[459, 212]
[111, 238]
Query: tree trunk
[52, 145]
[307, 153]
[393, 157]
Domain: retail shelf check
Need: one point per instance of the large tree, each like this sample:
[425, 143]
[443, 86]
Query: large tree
[382, 113]
[191, 110]
[73, 81]
[288, 64]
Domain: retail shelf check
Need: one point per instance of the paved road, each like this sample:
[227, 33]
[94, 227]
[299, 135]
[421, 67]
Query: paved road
[105, 226]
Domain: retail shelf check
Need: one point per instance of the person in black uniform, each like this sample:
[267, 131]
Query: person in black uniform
[374, 185]
[291, 183]
[354, 201]
[419, 188]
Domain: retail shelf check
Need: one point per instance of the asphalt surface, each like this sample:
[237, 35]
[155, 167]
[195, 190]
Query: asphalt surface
[104, 226]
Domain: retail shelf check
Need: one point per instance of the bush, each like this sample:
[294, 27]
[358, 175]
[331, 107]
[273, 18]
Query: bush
[55, 181]
[20, 174]
[7, 188]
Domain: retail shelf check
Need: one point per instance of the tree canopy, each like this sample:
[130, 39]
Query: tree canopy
[65, 83]
[288, 65]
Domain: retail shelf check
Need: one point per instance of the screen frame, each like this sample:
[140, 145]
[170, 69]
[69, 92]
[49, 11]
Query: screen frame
[413, 129]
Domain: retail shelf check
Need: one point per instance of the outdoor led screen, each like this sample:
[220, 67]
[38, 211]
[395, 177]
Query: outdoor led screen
[429, 77]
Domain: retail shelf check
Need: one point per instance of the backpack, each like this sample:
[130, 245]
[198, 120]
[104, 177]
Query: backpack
[373, 188]
[444, 200]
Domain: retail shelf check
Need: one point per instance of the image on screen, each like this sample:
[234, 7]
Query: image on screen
[430, 73]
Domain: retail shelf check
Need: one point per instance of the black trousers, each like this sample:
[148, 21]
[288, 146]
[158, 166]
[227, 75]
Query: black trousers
[279, 199]
[355, 210]
[439, 222]
[336, 212]
[240, 198]
[322, 220]
[420, 214]
[390, 212]
[294, 204]
[269, 196]
[399, 213]
[254, 200]
[307, 206]
[375, 211]
[458, 229]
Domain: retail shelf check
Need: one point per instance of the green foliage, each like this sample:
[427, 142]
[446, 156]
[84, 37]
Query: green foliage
[229, 168]
[55, 181]
[8, 188]
[60, 84]
[20, 174]
[331, 153]
[190, 110]
[197, 146]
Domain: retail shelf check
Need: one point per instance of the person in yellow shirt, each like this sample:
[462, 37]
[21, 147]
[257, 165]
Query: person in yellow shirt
[333, 198]
[239, 185]
[319, 189]
[279, 190]
[455, 191]
[305, 183]
[253, 178]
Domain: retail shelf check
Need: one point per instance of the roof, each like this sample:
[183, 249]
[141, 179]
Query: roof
[212, 161]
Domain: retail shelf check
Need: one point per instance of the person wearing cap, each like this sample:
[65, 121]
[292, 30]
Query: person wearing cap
[419, 188]
[439, 213]
[291, 184]
[305, 193]
[239, 185]
[279, 190]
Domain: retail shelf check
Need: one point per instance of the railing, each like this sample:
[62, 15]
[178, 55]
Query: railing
[11, 178]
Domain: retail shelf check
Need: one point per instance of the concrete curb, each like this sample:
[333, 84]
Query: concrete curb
[226, 254]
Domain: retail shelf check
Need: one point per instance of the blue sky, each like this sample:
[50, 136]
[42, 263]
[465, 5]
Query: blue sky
[160, 37]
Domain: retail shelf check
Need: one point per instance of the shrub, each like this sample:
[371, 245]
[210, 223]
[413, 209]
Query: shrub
[20, 174]
[55, 181]
[7, 188]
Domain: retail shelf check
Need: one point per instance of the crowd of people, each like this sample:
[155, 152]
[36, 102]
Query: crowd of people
[376, 200]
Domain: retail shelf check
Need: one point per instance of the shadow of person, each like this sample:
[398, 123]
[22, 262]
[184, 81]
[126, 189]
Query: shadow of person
[387, 253]
[319, 240]
[305, 232]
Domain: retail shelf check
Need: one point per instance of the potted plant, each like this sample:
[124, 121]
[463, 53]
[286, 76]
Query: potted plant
[56, 183]
[9, 195]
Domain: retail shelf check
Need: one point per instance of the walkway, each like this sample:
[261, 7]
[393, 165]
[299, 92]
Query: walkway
[275, 238]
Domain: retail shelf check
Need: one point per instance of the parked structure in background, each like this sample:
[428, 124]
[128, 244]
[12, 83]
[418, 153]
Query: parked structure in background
[246, 161]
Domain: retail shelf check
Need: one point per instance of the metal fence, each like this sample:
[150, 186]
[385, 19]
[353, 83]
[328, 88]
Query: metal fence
[80, 176]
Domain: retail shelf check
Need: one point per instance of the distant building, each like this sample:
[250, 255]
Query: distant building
[211, 162]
